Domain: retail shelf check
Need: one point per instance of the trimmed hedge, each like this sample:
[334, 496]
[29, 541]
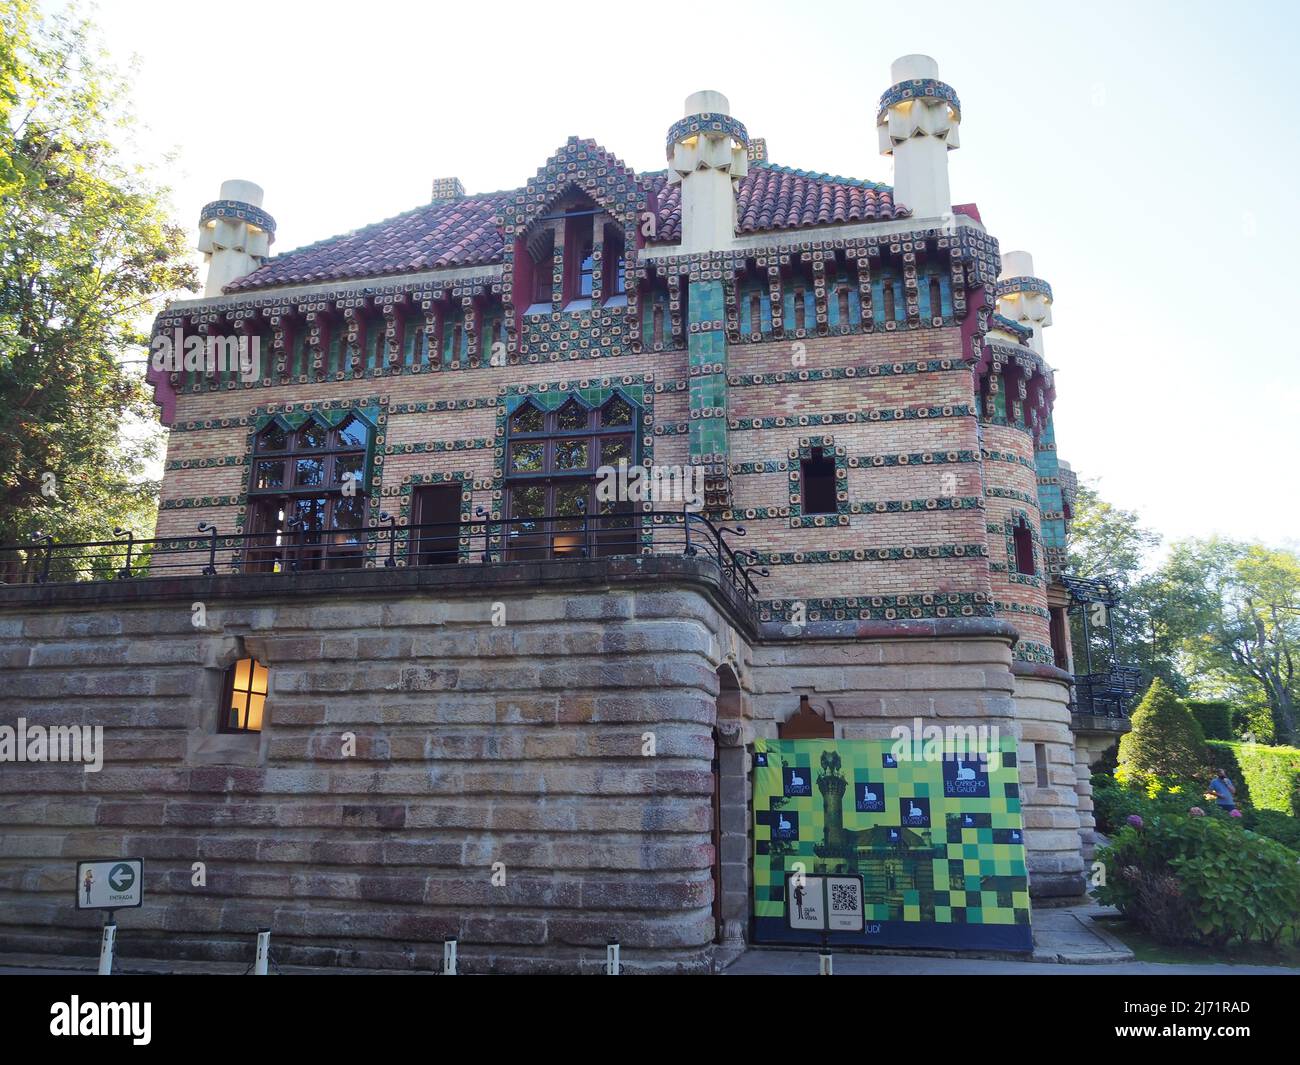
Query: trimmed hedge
[1214, 716]
[1281, 827]
[1165, 742]
[1269, 777]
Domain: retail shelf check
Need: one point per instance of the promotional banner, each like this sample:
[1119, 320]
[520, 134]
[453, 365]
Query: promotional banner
[933, 829]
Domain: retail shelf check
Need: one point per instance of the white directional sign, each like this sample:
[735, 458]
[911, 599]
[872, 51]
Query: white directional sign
[110, 883]
[824, 903]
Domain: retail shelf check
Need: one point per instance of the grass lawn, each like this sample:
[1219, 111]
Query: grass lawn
[1147, 949]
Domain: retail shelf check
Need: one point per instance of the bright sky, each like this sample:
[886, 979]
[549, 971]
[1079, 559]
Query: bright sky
[1146, 155]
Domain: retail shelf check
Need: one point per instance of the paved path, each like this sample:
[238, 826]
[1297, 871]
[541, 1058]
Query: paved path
[1070, 934]
[803, 963]
[1068, 941]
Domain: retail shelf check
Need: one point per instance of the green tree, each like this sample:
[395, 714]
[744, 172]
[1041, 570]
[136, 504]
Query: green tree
[1234, 610]
[1108, 541]
[86, 251]
[1166, 743]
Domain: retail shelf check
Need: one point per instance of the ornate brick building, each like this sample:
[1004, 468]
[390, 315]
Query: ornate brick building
[402, 528]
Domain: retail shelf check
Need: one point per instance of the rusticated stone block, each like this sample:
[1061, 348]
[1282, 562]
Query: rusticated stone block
[379, 816]
[490, 928]
[129, 813]
[424, 679]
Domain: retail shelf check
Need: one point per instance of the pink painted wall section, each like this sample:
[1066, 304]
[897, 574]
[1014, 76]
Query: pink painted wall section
[164, 395]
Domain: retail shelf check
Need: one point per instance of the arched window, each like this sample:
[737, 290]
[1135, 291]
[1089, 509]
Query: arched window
[244, 696]
[307, 496]
[1023, 540]
[553, 459]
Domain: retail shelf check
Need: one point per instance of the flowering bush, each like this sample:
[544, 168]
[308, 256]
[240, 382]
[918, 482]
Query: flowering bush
[1202, 880]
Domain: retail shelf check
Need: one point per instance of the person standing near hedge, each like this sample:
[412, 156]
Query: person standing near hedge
[1225, 791]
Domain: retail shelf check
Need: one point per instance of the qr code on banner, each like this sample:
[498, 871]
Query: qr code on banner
[844, 898]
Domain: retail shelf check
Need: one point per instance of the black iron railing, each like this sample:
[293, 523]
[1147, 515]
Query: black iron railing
[1107, 694]
[298, 547]
[1109, 691]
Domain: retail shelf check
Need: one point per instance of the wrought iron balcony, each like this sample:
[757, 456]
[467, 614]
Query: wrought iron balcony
[296, 547]
[1106, 694]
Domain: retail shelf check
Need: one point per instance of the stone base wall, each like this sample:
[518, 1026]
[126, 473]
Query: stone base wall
[500, 791]
[1093, 737]
[867, 686]
[1052, 828]
[949, 677]
[532, 788]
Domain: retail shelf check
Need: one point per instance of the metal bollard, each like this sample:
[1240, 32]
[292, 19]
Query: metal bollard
[825, 965]
[613, 966]
[449, 957]
[106, 948]
[263, 956]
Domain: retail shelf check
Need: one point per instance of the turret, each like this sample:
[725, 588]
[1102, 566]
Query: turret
[707, 155]
[1024, 298]
[917, 123]
[235, 235]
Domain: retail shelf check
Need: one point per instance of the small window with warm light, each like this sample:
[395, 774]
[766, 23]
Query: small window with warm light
[245, 696]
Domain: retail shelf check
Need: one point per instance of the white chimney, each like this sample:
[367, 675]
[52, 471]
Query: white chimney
[235, 235]
[708, 155]
[917, 123]
[1024, 298]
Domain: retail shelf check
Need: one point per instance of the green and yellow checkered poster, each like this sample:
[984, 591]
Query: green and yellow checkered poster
[934, 829]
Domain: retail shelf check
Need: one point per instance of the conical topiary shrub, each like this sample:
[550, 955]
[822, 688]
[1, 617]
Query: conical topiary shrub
[1166, 742]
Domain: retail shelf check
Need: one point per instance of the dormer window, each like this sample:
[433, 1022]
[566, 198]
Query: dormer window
[542, 280]
[581, 229]
[586, 270]
[613, 284]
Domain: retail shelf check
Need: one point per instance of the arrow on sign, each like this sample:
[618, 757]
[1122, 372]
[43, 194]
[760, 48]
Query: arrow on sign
[121, 877]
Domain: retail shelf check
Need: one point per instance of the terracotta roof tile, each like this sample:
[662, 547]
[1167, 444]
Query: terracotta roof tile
[777, 197]
[466, 232]
[457, 233]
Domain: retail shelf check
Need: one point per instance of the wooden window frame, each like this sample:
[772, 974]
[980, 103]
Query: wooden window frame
[318, 547]
[228, 696]
[602, 535]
